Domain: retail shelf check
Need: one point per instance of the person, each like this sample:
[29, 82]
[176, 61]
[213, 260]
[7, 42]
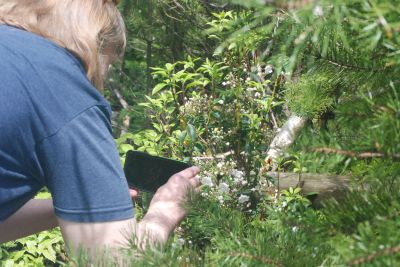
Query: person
[55, 129]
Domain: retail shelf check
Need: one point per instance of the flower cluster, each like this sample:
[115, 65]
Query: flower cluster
[195, 106]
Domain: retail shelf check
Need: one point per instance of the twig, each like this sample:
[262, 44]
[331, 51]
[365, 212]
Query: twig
[363, 155]
[219, 156]
[372, 256]
[348, 66]
[274, 120]
[259, 258]
[121, 99]
[124, 104]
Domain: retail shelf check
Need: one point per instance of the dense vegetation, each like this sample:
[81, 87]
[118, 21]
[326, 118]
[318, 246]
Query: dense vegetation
[213, 82]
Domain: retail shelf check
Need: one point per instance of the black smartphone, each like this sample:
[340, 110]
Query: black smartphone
[147, 173]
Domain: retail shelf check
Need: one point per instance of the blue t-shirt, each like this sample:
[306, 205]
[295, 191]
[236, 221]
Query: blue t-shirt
[55, 131]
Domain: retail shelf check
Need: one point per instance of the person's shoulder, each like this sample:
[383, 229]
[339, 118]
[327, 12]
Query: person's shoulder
[22, 46]
[45, 77]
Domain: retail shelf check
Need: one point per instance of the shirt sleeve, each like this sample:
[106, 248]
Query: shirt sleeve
[83, 171]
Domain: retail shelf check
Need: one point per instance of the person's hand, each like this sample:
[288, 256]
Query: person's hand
[167, 203]
[133, 192]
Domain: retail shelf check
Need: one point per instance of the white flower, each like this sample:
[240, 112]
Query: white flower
[237, 174]
[221, 102]
[207, 181]
[220, 164]
[268, 69]
[294, 229]
[224, 83]
[180, 241]
[224, 187]
[243, 199]
[257, 95]
[284, 204]
[318, 11]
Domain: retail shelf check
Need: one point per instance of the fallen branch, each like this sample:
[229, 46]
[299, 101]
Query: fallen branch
[363, 155]
[325, 185]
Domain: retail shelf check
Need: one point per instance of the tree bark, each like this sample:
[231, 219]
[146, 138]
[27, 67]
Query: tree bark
[126, 122]
[149, 50]
[285, 138]
[325, 185]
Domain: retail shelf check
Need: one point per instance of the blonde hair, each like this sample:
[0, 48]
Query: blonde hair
[93, 30]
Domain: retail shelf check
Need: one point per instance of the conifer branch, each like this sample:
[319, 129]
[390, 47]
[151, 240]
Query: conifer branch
[259, 258]
[374, 255]
[348, 66]
[363, 155]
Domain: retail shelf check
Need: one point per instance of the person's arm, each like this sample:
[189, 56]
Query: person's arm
[164, 213]
[35, 216]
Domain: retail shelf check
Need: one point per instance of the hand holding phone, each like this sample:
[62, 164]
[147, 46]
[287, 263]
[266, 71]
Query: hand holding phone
[147, 173]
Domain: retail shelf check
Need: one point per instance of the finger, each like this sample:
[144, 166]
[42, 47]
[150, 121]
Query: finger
[195, 181]
[133, 192]
[189, 172]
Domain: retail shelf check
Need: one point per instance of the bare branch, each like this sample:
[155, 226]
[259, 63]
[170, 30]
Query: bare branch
[124, 104]
[285, 137]
[363, 155]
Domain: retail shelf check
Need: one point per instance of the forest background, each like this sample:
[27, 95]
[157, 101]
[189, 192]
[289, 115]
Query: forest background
[283, 104]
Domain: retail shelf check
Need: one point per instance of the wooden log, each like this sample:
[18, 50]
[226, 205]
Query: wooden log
[325, 185]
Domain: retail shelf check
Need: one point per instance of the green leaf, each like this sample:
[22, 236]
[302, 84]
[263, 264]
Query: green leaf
[297, 190]
[9, 263]
[182, 136]
[17, 255]
[49, 254]
[158, 88]
[232, 46]
[312, 194]
[126, 147]
[31, 247]
[192, 132]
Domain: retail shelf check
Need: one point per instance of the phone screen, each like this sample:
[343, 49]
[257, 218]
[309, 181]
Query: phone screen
[147, 173]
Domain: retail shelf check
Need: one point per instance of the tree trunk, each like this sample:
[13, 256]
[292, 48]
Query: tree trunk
[285, 138]
[149, 50]
[325, 185]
